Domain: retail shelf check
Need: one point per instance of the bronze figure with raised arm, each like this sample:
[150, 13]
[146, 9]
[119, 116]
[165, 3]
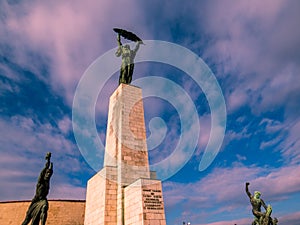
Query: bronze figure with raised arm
[128, 56]
[260, 218]
[38, 208]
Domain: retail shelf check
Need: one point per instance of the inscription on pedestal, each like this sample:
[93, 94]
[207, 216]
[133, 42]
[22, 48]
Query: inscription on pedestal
[152, 199]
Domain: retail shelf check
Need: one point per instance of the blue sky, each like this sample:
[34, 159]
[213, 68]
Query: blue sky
[252, 48]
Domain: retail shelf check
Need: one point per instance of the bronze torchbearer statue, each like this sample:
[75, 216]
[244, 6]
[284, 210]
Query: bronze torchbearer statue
[260, 218]
[127, 54]
[38, 208]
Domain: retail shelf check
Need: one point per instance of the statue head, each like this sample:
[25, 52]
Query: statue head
[257, 195]
[48, 174]
[127, 46]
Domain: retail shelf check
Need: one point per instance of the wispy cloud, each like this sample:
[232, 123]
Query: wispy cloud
[70, 35]
[252, 47]
[23, 146]
[214, 193]
[291, 144]
[255, 41]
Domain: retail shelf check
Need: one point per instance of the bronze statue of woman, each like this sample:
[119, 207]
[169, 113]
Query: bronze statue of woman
[127, 54]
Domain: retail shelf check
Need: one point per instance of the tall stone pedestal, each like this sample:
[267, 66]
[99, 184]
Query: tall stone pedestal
[123, 192]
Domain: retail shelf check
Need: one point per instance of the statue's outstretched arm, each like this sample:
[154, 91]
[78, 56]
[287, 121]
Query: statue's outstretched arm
[137, 47]
[43, 172]
[48, 165]
[247, 190]
[119, 40]
[47, 158]
[119, 51]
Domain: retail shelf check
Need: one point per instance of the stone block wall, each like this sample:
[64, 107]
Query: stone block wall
[61, 212]
[101, 198]
[126, 146]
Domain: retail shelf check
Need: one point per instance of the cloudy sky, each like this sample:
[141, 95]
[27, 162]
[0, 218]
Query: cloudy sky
[252, 48]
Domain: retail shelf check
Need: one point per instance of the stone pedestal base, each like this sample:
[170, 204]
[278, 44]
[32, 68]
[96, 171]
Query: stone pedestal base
[101, 198]
[143, 203]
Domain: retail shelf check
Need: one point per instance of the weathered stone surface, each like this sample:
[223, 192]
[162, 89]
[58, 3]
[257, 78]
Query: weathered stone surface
[116, 195]
[126, 146]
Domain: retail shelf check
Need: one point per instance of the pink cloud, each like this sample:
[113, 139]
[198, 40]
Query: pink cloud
[70, 34]
[231, 222]
[215, 191]
[260, 46]
[290, 219]
[291, 144]
[65, 125]
[236, 99]
[286, 140]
